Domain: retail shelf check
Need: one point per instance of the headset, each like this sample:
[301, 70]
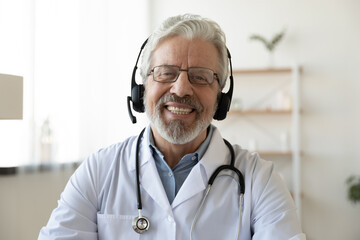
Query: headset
[137, 93]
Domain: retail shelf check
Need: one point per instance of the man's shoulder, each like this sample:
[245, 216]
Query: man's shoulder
[118, 147]
[111, 156]
[251, 162]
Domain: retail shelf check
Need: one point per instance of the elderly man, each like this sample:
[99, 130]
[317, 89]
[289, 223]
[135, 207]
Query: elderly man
[154, 186]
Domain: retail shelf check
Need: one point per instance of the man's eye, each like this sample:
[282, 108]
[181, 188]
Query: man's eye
[199, 78]
[168, 74]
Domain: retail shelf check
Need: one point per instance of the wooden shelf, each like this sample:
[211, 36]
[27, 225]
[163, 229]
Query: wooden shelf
[260, 111]
[275, 153]
[262, 70]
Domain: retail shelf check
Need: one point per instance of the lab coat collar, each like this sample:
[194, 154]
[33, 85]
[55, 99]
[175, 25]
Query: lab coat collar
[149, 176]
[144, 150]
[216, 154]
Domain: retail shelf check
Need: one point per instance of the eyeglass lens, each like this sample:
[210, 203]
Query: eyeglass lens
[196, 75]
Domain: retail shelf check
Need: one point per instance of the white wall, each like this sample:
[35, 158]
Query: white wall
[323, 37]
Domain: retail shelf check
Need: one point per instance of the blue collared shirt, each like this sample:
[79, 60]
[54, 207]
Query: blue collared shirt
[172, 179]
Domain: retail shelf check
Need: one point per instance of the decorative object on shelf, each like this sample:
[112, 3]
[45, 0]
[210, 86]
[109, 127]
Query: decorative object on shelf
[271, 44]
[236, 104]
[46, 142]
[353, 183]
[252, 145]
[283, 100]
[284, 141]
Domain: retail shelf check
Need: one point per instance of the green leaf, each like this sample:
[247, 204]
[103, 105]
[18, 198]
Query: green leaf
[350, 179]
[261, 39]
[353, 183]
[269, 45]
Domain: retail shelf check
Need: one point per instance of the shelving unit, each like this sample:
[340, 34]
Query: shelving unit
[271, 114]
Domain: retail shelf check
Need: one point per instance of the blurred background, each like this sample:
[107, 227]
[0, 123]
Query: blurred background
[76, 57]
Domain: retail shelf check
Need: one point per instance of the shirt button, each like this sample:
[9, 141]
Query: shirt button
[193, 158]
[170, 174]
[170, 219]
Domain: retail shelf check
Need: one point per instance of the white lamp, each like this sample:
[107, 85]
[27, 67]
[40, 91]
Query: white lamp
[11, 105]
[11, 97]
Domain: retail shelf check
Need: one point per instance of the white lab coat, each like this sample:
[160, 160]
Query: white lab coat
[99, 201]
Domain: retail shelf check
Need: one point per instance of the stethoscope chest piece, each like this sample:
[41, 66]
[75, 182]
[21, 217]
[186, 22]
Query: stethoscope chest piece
[141, 224]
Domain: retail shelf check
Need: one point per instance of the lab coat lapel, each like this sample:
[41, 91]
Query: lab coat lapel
[149, 177]
[216, 155]
[192, 185]
[151, 183]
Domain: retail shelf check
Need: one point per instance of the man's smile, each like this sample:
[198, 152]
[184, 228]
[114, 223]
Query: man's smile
[179, 110]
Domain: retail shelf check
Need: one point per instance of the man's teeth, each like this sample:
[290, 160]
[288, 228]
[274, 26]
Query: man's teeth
[177, 110]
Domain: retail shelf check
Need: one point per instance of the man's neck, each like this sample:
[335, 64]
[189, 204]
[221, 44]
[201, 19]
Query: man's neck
[173, 153]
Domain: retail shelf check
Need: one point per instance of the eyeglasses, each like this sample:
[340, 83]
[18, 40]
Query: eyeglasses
[196, 75]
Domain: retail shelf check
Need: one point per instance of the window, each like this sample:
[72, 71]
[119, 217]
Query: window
[76, 58]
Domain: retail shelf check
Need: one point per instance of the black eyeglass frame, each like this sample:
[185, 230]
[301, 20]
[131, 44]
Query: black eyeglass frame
[215, 75]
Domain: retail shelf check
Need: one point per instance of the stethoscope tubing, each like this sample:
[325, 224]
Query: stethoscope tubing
[207, 191]
[212, 178]
[139, 203]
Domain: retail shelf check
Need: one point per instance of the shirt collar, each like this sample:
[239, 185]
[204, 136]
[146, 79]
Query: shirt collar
[199, 153]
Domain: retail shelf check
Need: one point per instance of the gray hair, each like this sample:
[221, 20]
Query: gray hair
[189, 26]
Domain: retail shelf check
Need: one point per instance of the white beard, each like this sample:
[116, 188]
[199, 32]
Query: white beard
[176, 132]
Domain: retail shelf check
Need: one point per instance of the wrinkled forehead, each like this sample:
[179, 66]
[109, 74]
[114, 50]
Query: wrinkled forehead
[185, 52]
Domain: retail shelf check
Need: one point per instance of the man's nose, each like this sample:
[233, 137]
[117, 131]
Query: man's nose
[182, 86]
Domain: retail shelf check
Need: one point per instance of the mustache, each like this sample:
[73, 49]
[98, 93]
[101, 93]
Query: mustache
[188, 100]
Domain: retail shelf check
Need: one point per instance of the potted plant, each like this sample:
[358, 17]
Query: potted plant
[270, 44]
[353, 183]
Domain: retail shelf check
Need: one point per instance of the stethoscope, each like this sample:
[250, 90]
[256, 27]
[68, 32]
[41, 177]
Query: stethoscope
[141, 223]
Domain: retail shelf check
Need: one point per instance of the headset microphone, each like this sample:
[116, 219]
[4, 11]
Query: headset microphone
[131, 115]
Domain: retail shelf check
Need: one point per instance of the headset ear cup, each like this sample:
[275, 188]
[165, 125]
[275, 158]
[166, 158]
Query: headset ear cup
[137, 97]
[223, 107]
